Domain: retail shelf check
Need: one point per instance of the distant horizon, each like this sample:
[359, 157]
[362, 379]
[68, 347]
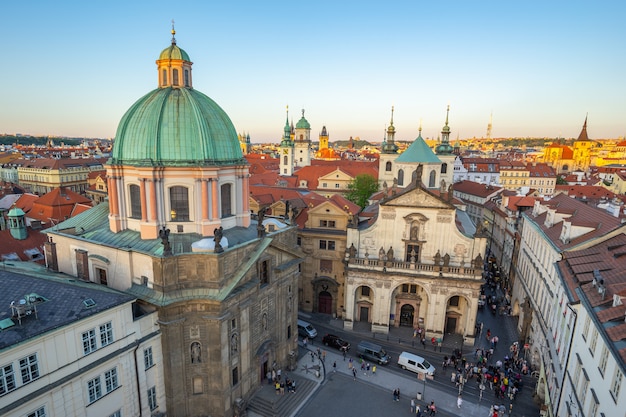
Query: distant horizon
[535, 69]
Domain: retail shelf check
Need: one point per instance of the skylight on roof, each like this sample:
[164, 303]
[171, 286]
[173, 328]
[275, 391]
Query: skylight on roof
[89, 302]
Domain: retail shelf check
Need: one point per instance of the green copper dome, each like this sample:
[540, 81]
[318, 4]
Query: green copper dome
[303, 123]
[174, 52]
[176, 127]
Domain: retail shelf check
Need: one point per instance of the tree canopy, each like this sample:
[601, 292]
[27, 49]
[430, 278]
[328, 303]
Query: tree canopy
[361, 188]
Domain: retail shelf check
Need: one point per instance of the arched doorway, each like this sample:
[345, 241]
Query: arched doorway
[325, 303]
[407, 313]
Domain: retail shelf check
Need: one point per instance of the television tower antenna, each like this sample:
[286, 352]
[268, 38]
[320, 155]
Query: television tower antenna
[489, 126]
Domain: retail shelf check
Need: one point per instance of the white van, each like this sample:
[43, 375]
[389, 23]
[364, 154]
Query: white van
[415, 363]
[305, 329]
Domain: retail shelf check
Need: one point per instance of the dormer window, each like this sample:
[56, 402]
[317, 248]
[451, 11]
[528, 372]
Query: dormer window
[175, 77]
[164, 77]
[186, 78]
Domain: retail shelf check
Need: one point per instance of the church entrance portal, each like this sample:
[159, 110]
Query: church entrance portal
[406, 315]
[325, 303]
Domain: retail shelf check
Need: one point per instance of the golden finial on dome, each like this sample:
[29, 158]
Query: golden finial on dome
[173, 33]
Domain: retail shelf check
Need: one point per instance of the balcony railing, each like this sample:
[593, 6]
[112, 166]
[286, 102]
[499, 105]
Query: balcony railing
[465, 272]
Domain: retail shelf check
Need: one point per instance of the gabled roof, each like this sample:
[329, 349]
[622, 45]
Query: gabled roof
[579, 214]
[476, 188]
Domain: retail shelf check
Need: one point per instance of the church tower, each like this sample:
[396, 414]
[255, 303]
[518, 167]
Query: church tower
[388, 155]
[286, 150]
[302, 142]
[445, 152]
[582, 150]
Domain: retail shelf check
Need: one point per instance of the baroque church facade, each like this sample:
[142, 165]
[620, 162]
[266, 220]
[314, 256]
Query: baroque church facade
[418, 261]
[178, 235]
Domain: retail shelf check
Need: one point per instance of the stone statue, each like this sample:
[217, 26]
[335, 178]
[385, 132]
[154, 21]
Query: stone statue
[390, 253]
[450, 192]
[478, 262]
[196, 352]
[217, 237]
[352, 251]
[260, 229]
[419, 173]
[234, 343]
[446, 260]
[437, 258]
[381, 253]
[164, 234]
[286, 216]
[414, 232]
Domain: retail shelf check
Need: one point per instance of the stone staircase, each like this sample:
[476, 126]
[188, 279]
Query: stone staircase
[273, 405]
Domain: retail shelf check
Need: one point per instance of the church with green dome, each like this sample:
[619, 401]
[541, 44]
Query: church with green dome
[177, 234]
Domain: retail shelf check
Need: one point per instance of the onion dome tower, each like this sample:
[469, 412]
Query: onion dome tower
[176, 161]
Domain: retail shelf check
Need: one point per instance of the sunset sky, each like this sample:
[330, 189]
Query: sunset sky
[72, 68]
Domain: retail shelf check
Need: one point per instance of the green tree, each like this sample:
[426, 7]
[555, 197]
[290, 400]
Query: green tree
[361, 188]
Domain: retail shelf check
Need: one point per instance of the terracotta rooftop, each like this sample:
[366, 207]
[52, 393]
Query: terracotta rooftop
[608, 260]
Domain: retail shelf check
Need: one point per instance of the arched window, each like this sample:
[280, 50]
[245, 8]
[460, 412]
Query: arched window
[227, 209]
[186, 78]
[285, 160]
[179, 203]
[401, 177]
[164, 77]
[444, 168]
[431, 180]
[388, 166]
[174, 76]
[135, 201]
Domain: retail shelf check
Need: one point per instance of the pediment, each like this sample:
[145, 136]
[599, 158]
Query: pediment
[417, 197]
[335, 175]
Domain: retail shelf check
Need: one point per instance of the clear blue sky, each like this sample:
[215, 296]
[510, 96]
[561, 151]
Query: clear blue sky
[72, 68]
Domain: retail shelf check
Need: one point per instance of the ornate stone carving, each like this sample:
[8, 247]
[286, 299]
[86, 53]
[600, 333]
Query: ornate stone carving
[194, 332]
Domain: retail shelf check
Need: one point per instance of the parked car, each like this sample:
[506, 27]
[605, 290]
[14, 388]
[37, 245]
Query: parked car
[336, 342]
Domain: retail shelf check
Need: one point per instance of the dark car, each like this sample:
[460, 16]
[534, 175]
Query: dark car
[336, 342]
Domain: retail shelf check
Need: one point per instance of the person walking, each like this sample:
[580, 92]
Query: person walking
[354, 373]
[350, 364]
[459, 401]
[344, 354]
[367, 372]
[334, 366]
[412, 406]
[373, 370]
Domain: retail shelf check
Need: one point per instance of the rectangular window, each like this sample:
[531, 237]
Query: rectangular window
[326, 265]
[327, 223]
[29, 368]
[603, 359]
[106, 334]
[7, 379]
[336, 185]
[101, 276]
[94, 388]
[148, 361]
[264, 272]
[40, 412]
[327, 244]
[586, 327]
[89, 341]
[324, 185]
[152, 400]
[235, 376]
[365, 291]
[110, 380]
[118, 413]
[593, 342]
[616, 384]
